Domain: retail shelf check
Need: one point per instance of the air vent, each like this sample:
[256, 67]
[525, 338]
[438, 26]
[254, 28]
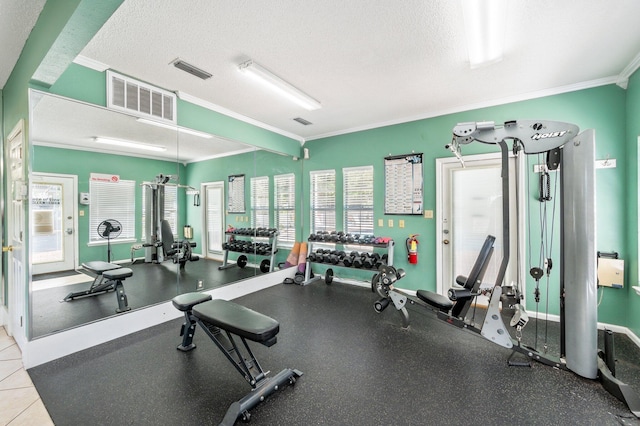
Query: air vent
[302, 121]
[140, 99]
[191, 69]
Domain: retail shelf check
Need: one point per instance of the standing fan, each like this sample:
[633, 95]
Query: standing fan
[108, 229]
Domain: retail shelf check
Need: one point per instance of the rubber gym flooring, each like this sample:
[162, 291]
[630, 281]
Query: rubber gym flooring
[150, 284]
[360, 368]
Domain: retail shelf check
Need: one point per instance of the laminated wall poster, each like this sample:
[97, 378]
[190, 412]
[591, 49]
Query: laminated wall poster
[235, 201]
[403, 184]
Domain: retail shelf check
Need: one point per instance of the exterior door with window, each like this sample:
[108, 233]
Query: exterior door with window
[213, 218]
[470, 208]
[53, 224]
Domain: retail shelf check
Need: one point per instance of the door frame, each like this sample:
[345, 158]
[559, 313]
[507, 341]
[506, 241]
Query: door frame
[74, 203]
[204, 236]
[517, 252]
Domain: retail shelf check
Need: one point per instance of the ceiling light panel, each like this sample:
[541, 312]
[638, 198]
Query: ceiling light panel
[285, 89]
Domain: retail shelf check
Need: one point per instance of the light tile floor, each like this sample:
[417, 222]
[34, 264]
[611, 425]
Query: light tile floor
[20, 404]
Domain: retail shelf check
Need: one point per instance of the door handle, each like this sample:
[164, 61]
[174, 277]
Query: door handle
[69, 231]
[7, 248]
[445, 241]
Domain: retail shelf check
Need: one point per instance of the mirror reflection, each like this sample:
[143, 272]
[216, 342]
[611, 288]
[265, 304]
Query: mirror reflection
[116, 226]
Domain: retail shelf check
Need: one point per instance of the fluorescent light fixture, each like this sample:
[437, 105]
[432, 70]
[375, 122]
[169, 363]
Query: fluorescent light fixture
[484, 24]
[180, 129]
[129, 144]
[274, 82]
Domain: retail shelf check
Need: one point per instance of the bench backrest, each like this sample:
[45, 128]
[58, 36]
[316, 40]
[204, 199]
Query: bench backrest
[474, 278]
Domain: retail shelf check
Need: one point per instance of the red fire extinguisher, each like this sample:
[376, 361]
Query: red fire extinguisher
[412, 249]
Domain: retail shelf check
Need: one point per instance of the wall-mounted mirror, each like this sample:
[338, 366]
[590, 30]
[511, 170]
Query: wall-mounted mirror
[78, 183]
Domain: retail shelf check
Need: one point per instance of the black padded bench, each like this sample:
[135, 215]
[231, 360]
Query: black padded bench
[225, 321]
[460, 299]
[107, 277]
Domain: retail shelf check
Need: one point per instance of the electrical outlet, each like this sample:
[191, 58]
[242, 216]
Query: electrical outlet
[390, 223]
[381, 223]
[81, 212]
[428, 214]
[401, 223]
[200, 284]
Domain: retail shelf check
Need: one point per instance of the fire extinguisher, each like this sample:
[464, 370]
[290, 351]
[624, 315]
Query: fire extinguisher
[412, 249]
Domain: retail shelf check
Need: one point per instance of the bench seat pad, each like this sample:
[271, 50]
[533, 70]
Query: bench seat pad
[434, 299]
[117, 274]
[98, 266]
[184, 302]
[237, 319]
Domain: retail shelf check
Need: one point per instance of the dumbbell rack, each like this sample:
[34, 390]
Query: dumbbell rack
[307, 274]
[250, 237]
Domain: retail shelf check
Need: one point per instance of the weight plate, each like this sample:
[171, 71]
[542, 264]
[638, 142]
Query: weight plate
[265, 265]
[242, 261]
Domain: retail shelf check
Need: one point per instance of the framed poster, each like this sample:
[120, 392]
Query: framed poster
[235, 199]
[403, 184]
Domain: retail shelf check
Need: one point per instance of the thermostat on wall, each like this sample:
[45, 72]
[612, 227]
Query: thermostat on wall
[84, 198]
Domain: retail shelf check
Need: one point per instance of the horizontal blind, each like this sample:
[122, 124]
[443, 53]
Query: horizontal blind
[284, 199]
[358, 200]
[260, 202]
[112, 200]
[323, 200]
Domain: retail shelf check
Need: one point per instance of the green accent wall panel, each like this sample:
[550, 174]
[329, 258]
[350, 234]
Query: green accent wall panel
[601, 108]
[632, 208]
[82, 164]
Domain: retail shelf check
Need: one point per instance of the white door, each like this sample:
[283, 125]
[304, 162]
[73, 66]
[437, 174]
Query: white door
[213, 218]
[15, 236]
[53, 237]
[470, 208]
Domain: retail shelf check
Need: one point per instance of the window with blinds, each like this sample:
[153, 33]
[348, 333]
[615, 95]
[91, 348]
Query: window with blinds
[112, 200]
[170, 209]
[323, 200]
[358, 200]
[284, 202]
[260, 202]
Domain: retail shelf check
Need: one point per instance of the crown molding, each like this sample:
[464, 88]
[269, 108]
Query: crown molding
[91, 63]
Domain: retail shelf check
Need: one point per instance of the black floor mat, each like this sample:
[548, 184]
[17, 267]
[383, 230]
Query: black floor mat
[359, 368]
[150, 284]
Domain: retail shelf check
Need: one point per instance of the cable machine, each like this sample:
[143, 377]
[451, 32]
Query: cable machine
[573, 156]
[155, 237]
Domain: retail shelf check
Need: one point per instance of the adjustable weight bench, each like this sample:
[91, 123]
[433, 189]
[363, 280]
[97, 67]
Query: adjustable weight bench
[459, 301]
[225, 321]
[114, 275]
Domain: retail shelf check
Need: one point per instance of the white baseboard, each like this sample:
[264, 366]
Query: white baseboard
[47, 348]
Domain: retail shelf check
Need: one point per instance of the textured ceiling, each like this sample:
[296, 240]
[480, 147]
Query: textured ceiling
[17, 18]
[368, 62]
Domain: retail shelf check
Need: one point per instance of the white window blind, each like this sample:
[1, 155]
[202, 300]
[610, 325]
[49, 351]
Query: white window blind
[170, 208]
[112, 200]
[284, 199]
[260, 202]
[323, 200]
[358, 200]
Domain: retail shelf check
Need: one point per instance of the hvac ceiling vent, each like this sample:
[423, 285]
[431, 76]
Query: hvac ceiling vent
[191, 69]
[302, 121]
[140, 99]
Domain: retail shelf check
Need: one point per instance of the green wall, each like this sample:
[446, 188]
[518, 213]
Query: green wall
[632, 208]
[601, 108]
[82, 164]
[256, 163]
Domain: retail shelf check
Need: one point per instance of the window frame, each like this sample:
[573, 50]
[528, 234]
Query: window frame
[358, 197]
[322, 199]
[284, 207]
[260, 203]
[123, 211]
